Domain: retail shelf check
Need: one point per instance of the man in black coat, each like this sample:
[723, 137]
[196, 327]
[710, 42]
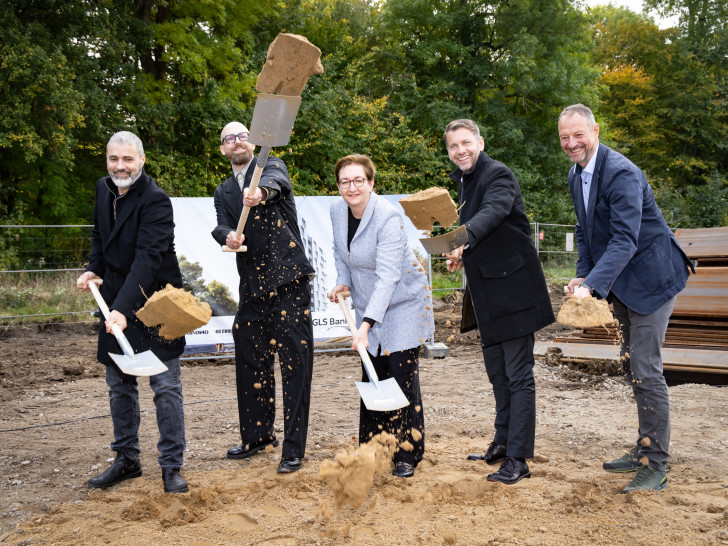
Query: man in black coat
[133, 252]
[507, 290]
[275, 298]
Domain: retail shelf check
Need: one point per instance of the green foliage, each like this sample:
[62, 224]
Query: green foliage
[215, 294]
[49, 293]
[666, 104]
[397, 71]
[218, 296]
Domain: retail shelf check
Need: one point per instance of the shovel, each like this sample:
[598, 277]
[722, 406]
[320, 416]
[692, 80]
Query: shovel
[143, 364]
[291, 59]
[377, 395]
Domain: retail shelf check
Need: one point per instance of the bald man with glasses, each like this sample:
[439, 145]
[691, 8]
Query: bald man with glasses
[273, 315]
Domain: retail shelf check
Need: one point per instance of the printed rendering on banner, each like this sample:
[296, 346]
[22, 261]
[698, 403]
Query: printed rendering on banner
[212, 275]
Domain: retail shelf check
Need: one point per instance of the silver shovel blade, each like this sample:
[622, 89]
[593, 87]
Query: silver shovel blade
[273, 120]
[388, 397]
[445, 243]
[144, 364]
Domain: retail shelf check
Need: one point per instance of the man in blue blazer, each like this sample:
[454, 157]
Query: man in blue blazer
[630, 257]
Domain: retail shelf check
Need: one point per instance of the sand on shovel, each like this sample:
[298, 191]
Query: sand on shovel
[177, 311]
[352, 471]
[428, 206]
[290, 61]
[585, 313]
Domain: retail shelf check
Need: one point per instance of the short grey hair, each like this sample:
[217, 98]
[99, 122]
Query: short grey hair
[580, 109]
[126, 137]
[468, 124]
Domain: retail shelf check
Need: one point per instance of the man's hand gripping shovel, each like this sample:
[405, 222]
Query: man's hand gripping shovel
[291, 60]
[377, 395]
[143, 364]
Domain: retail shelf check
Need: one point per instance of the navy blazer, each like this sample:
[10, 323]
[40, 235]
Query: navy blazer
[625, 247]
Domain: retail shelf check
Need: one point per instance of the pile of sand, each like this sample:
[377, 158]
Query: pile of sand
[352, 472]
[177, 311]
[428, 206]
[585, 313]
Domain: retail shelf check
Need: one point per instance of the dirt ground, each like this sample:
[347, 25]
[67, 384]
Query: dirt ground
[55, 432]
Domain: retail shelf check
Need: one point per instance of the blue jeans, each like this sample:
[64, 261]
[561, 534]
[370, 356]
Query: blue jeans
[126, 415]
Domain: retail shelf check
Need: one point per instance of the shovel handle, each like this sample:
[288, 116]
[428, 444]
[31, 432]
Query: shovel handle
[366, 360]
[259, 166]
[118, 334]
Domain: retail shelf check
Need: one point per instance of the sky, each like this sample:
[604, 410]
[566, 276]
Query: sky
[636, 6]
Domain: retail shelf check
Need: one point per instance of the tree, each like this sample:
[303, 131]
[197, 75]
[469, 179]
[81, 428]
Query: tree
[664, 106]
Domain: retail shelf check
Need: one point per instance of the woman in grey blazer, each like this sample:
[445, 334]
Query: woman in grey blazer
[392, 301]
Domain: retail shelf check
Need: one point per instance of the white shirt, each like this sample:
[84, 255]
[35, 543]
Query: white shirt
[586, 178]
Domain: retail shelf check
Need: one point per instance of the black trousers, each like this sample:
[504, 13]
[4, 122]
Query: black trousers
[404, 367]
[279, 323]
[509, 366]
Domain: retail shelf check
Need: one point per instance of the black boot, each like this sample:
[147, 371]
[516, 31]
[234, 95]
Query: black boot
[173, 481]
[121, 469]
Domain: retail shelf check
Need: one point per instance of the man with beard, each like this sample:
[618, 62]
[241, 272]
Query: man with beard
[273, 314]
[506, 292]
[629, 256]
[133, 252]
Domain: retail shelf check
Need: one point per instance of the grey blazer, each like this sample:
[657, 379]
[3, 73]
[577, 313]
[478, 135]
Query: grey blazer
[387, 282]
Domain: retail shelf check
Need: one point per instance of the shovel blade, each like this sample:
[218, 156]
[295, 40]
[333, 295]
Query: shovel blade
[144, 364]
[388, 397]
[445, 243]
[273, 120]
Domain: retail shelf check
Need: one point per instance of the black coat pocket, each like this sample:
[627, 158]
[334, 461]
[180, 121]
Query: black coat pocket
[502, 268]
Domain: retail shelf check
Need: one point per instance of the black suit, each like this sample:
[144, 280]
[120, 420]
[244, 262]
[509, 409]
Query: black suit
[135, 256]
[274, 311]
[509, 296]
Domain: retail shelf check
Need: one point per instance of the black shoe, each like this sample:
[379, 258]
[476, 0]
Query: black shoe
[511, 471]
[173, 481]
[403, 470]
[248, 450]
[120, 470]
[289, 464]
[495, 454]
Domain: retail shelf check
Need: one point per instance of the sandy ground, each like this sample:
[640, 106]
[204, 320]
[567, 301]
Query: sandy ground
[55, 431]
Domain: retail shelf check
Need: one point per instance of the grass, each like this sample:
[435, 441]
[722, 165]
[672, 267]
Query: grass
[23, 294]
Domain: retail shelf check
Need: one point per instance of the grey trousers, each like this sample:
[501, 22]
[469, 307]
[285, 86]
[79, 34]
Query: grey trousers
[640, 353]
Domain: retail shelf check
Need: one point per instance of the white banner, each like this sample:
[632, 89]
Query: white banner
[214, 274]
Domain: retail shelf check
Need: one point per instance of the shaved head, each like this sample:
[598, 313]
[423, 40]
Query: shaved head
[233, 128]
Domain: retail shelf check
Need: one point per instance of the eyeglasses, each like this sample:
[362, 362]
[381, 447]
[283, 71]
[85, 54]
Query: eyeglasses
[230, 139]
[345, 183]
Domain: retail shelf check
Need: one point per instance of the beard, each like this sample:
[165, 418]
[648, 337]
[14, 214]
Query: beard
[124, 182]
[240, 157]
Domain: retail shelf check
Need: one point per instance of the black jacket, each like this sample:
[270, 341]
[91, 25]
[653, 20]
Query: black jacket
[505, 280]
[135, 256]
[275, 254]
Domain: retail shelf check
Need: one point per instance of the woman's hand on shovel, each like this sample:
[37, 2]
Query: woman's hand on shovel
[335, 290]
[362, 336]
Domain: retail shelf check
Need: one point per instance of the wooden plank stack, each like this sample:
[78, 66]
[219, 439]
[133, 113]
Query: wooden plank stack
[699, 322]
